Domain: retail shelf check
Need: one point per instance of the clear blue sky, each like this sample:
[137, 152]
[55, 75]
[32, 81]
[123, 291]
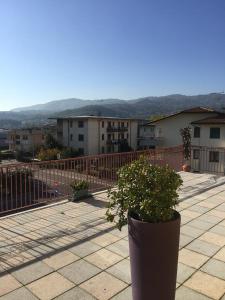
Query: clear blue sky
[54, 49]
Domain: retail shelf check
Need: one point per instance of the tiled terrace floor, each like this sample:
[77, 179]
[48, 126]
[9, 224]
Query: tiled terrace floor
[68, 251]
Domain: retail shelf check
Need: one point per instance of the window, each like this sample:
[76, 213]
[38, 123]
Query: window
[214, 156]
[71, 137]
[127, 135]
[109, 124]
[81, 151]
[103, 137]
[17, 137]
[17, 142]
[71, 124]
[196, 132]
[196, 153]
[109, 136]
[103, 124]
[25, 137]
[80, 124]
[122, 124]
[103, 149]
[80, 137]
[214, 133]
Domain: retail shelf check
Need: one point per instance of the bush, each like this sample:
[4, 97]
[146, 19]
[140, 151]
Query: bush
[79, 185]
[48, 154]
[145, 192]
[68, 153]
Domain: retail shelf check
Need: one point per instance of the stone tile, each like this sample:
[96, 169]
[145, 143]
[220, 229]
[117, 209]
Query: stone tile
[103, 258]
[103, 286]
[215, 268]
[207, 203]
[21, 293]
[191, 258]
[206, 284]
[32, 272]
[218, 229]
[190, 213]
[8, 284]
[121, 247]
[217, 213]
[220, 254]
[85, 248]
[199, 209]
[200, 224]
[79, 271]
[105, 239]
[184, 240]
[184, 272]
[203, 247]
[191, 231]
[121, 270]
[50, 286]
[209, 218]
[75, 294]
[213, 238]
[125, 294]
[184, 293]
[60, 259]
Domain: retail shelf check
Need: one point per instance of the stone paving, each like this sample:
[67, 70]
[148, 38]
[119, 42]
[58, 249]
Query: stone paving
[68, 250]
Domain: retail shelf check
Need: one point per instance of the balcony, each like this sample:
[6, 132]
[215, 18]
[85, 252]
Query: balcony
[116, 141]
[117, 129]
[69, 251]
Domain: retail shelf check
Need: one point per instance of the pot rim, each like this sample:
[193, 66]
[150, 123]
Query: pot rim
[177, 217]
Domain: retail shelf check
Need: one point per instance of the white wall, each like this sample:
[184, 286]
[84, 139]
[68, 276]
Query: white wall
[169, 128]
[205, 140]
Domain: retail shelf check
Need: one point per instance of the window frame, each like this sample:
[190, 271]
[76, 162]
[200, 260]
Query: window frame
[198, 135]
[213, 156]
[80, 137]
[213, 135]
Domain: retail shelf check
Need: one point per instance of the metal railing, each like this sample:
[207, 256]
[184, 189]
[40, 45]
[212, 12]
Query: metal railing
[33, 184]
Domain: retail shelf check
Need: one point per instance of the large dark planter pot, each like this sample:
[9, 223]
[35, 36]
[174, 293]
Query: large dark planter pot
[154, 251]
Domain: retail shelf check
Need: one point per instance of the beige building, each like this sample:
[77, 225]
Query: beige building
[92, 135]
[167, 129]
[26, 140]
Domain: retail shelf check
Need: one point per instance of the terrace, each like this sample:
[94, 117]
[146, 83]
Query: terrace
[67, 250]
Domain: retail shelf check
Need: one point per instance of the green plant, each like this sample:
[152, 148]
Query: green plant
[79, 185]
[186, 137]
[145, 192]
[47, 154]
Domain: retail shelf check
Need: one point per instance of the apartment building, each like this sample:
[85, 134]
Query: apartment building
[26, 139]
[146, 136]
[92, 135]
[3, 138]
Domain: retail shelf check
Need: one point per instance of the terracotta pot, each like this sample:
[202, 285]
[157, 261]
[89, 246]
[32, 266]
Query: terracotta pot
[154, 251]
[186, 168]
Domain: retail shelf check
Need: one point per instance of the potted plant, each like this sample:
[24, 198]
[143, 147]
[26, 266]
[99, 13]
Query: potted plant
[79, 189]
[186, 137]
[145, 197]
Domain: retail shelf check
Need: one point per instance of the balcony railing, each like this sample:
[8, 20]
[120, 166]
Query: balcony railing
[117, 129]
[116, 141]
[33, 184]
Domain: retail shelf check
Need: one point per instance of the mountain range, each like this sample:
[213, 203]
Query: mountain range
[141, 108]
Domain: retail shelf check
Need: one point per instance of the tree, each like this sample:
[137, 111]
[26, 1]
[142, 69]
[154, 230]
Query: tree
[51, 142]
[186, 137]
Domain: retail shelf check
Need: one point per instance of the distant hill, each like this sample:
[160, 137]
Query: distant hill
[140, 108]
[59, 105]
[145, 107]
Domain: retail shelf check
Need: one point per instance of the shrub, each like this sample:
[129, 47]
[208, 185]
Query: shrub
[145, 192]
[68, 153]
[186, 138]
[47, 154]
[79, 185]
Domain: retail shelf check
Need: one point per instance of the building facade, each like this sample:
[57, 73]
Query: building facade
[3, 138]
[92, 135]
[167, 129]
[26, 140]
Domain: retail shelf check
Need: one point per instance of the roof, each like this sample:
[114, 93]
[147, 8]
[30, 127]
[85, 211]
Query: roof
[219, 119]
[197, 109]
[94, 117]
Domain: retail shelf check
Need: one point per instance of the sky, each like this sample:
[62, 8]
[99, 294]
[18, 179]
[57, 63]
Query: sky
[95, 49]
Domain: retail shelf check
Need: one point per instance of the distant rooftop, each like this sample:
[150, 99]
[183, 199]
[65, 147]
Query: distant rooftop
[197, 109]
[94, 117]
[220, 119]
